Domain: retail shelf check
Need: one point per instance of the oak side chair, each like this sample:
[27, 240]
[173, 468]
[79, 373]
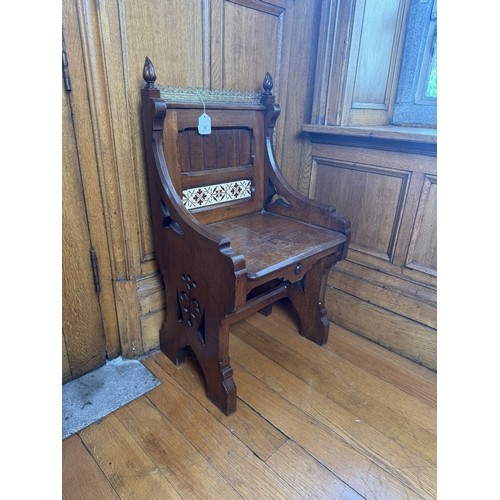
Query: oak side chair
[231, 236]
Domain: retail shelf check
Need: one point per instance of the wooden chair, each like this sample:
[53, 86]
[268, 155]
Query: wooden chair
[231, 236]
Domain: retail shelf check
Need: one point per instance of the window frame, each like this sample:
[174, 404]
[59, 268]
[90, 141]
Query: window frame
[426, 66]
[412, 107]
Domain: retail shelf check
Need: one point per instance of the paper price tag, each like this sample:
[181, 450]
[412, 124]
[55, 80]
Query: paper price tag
[204, 124]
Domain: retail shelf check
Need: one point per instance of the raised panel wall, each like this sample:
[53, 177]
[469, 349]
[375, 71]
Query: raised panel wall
[382, 177]
[386, 289]
[356, 190]
[422, 253]
[153, 29]
[250, 28]
[361, 43]
[376, 24]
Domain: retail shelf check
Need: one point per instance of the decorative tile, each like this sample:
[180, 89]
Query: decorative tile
[205, 196]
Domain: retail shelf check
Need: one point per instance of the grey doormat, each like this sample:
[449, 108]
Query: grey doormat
[98, 393]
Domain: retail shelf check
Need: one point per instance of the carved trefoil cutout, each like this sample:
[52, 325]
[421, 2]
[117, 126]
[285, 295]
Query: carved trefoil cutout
[214, 194]
[168, 221]
[188, 307]
[274, 197]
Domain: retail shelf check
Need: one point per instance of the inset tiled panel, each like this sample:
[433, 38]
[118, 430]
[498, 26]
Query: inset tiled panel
[205, 196]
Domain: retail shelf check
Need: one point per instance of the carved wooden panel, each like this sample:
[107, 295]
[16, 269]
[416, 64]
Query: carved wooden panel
[372, 63]
[386, 289]
[223, 148]
[422, 252]
[357, 190]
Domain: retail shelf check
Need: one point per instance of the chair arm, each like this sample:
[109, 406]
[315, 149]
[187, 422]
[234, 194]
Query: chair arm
[284, 200]
[185, 246]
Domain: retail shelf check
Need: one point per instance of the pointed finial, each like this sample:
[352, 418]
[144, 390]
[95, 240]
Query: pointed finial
[267, 97]
[149, 74]
[267, 84]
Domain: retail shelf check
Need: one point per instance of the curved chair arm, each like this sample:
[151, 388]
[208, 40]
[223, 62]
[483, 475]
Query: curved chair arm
[184, 245]
[284, 200]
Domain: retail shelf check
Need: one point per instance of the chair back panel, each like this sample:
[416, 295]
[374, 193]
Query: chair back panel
[219, 175]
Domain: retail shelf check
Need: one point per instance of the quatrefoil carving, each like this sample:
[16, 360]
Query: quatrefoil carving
[188, 307]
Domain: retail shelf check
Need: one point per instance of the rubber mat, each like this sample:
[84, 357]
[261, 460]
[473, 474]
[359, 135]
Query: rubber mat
[94, 395]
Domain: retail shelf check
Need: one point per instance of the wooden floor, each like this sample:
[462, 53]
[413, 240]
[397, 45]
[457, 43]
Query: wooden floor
[349, 420]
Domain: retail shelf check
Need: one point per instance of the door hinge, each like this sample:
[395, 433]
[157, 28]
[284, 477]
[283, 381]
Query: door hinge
[95, 272]
[65, 68]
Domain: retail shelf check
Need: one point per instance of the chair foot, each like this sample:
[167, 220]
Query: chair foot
[221, 390]
[212, 357]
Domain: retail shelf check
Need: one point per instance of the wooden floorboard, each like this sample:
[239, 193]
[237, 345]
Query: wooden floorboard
[340, 424]
[348, 420]
[82, 477]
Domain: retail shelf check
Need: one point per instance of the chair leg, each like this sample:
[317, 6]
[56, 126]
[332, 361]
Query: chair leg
[221, 389]
[308, 296]
[212, 353]
[266, 311]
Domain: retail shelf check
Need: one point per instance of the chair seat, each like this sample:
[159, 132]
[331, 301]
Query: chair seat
[271, 242]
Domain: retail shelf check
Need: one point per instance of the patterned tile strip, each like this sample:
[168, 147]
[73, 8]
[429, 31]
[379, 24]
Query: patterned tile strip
[205, 196]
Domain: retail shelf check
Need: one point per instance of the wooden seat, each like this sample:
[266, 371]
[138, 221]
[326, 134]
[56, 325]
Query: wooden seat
[231, 236]
[272, 243]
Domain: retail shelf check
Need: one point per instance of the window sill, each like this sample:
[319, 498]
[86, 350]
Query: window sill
[390, 137]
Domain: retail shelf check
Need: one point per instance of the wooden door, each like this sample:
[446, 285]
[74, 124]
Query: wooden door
[83, 343]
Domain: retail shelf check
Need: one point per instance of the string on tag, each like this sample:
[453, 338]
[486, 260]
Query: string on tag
[204, 121]
[201, 97]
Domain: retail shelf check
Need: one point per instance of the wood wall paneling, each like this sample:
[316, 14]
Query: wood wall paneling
[66, 369]
[82, 122]
[332, 61]
[112, 142]
[296, 84]
[374, 60]
[378, 176]
[231, 44]
[170, 34]
[98, 95]
[413, 302]
[422, 253]
[252, 37]
[374, 26]
[356, 190]
[394, 331]
[386, 289]
[359, 59]
[81, 315]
